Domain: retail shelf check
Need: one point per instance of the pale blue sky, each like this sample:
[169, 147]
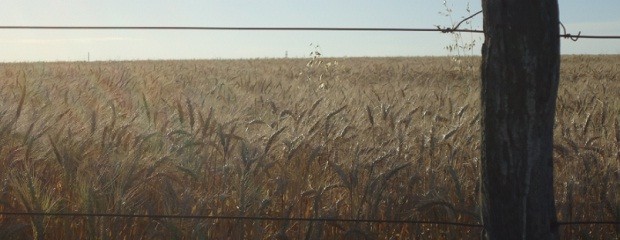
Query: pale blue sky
[591, 17]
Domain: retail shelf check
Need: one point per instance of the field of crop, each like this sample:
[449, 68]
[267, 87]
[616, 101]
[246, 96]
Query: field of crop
[360, 138]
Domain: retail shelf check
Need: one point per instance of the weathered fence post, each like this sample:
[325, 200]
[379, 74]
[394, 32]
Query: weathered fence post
[520, 75]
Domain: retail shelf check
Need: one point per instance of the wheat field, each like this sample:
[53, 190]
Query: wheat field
[351, 138]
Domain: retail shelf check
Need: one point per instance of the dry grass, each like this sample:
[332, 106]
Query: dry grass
[393, 138]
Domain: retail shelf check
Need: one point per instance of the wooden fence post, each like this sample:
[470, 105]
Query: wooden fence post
[520, 75]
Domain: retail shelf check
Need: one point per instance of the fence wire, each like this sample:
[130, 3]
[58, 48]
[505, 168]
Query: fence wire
[251, 218]
[349, 29]
[248, 218]
[453, 29]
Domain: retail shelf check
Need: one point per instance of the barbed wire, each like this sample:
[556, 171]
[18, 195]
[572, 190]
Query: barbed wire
[352, 29]
[299, 219]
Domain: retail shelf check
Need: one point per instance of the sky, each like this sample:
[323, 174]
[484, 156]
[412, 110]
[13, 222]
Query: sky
[589, 17]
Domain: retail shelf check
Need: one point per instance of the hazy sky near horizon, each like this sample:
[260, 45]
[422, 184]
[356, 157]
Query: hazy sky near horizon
[589, 17]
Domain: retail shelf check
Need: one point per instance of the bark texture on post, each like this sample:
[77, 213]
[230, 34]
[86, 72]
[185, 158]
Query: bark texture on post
[520, 75]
